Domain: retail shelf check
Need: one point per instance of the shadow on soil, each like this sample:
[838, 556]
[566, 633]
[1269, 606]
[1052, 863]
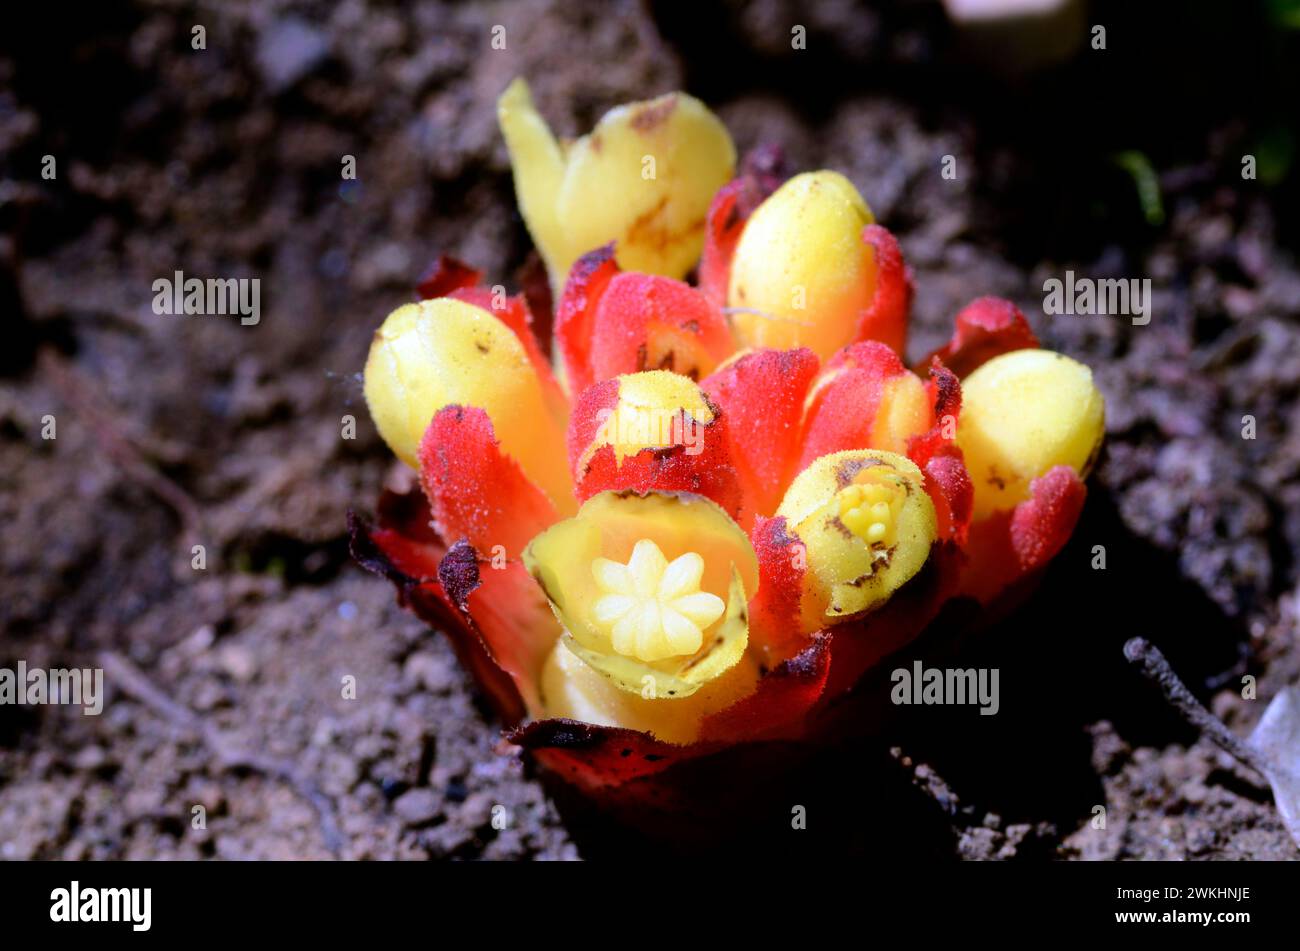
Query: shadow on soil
[1061, 668]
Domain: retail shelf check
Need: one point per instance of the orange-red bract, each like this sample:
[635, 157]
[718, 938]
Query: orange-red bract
[761, 393]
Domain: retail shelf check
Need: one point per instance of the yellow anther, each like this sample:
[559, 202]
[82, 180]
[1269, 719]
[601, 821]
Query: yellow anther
[869, 508]
[867, 526]
[651, 608]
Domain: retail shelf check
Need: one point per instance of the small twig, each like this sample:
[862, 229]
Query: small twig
[925, 778]
[1147, 656]
[134, 683]
[80, 395]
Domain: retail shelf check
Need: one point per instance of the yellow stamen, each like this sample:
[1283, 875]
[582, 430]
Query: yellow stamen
[653, 609]
[869, 508]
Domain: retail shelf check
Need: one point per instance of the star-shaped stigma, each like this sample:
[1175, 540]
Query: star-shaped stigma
[652, 609]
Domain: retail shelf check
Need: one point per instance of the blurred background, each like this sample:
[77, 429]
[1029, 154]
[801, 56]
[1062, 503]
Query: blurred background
[1124, 160]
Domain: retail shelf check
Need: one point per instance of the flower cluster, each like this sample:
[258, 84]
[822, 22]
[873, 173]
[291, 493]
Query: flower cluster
[719, 503]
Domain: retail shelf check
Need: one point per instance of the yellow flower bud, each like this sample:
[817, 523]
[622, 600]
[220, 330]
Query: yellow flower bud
[442, 352]
[801, 273]
[643, 178]
[1023, 413]
[867, 525]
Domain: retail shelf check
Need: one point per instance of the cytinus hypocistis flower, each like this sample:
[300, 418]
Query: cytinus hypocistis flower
[718, 505]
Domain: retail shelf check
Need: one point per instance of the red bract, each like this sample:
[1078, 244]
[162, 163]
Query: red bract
[735, 202]
[694, 457]
[613, 322]
[761, 394]
[575, 315]
[885, 319]
[985, 328]
[865, 397]
[1010, 546]
[478, 493]
[774, 610]
[935, 452]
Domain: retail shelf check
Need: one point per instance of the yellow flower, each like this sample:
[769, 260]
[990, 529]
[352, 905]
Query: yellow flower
[867, 526]
[446, 352]
[643, 179]
[1023, 413]
[802, 274]
[651, 589]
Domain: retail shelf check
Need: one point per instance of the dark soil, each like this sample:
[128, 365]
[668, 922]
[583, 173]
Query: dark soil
[175, 432]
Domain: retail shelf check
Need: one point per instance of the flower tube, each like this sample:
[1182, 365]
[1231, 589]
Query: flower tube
[643, 179]
[810, 268]
[1026, 412]
[866, 525]
[651, 591]
[446, 352]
